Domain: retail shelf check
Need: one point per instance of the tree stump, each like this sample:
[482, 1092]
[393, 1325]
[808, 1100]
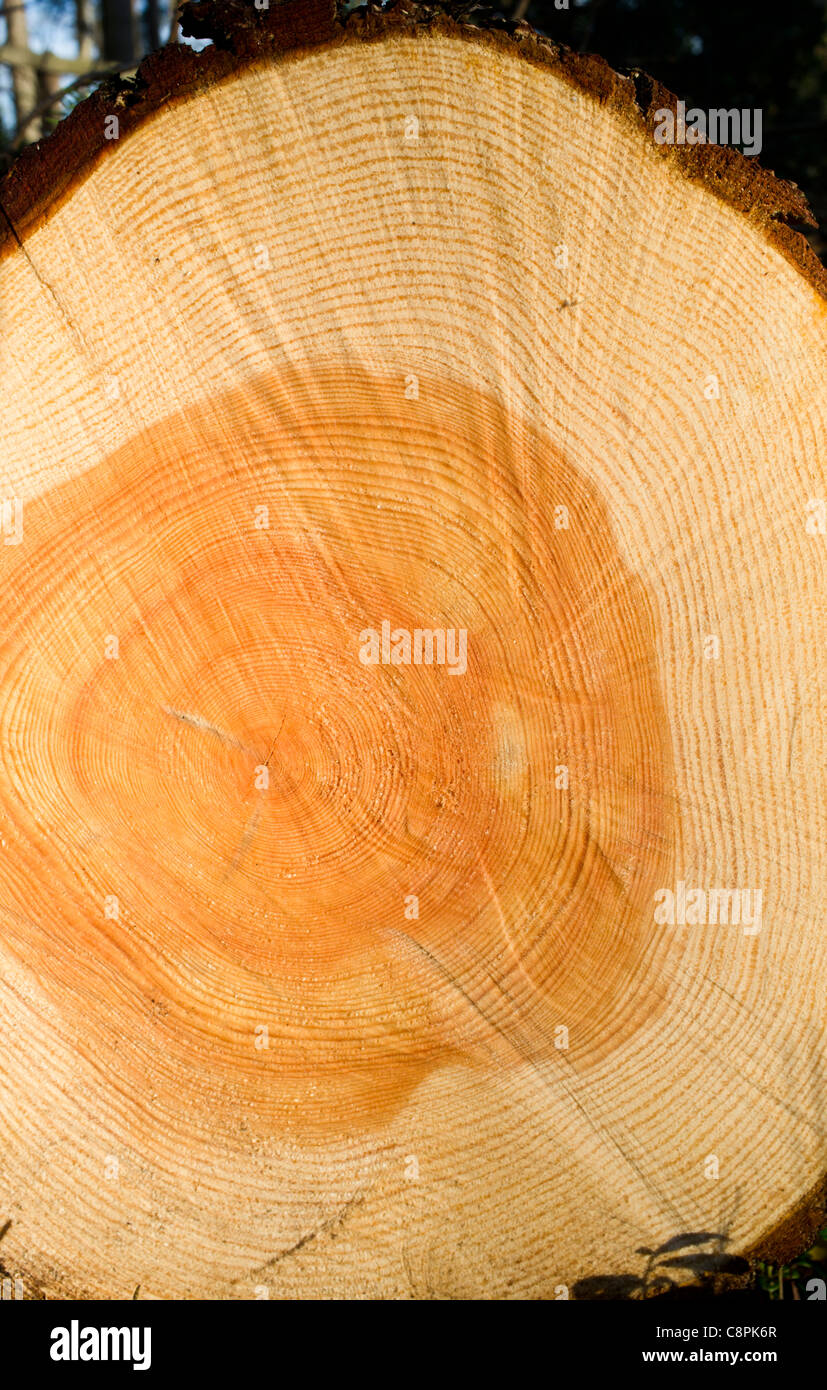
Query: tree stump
[412, 610]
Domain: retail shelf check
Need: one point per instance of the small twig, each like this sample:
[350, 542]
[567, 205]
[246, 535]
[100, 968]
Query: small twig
[16, 57]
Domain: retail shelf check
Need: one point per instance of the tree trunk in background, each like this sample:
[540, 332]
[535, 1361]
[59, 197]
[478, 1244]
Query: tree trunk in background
[85, 28]
[152, 24]
[23, 79]
[328, 969]
[120, 32]
[48, 87]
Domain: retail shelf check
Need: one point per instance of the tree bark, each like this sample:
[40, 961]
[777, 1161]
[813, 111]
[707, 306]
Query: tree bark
[327, 967]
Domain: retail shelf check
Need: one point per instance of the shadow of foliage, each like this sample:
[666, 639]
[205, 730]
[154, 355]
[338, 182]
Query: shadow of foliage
[679, 1252]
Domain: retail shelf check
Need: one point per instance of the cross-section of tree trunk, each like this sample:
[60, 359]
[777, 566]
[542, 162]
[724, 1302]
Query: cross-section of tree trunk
[412, 618]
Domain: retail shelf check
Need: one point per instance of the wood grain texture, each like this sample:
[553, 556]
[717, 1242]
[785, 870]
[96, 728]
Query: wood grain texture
[269, 294]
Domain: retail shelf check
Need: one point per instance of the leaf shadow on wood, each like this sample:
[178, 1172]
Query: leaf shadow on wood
[680, 1252]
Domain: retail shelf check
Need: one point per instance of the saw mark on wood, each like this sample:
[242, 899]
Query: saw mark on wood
[331, 1224]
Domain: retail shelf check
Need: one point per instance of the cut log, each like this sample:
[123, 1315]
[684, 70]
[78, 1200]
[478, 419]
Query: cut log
[328, 968]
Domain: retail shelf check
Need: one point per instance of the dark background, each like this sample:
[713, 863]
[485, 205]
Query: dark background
[713, 53]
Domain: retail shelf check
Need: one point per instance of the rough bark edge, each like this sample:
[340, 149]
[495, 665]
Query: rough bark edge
[795, 1232]
[46, 173]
